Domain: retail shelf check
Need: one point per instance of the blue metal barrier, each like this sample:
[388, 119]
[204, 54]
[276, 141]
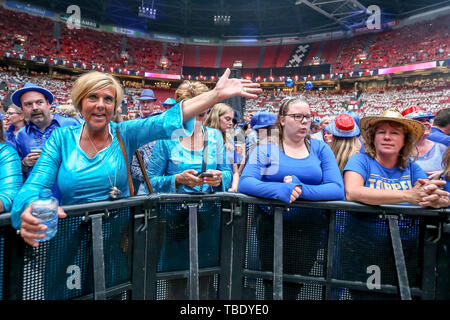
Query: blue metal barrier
[231, 246]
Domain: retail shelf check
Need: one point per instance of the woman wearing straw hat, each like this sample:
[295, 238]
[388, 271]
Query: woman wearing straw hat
[345, 142]
[384, 174]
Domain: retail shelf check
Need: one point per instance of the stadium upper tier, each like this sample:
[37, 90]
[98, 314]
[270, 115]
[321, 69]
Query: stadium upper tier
[421, 42]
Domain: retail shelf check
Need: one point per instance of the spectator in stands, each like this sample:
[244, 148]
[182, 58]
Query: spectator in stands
[261, 124]
[441, 127]
[132, 115]
[16, 121]
[429, 153]
[292, 166]
[35, 103]
[325, 121]
[345, 142]
[327, 135]
[177, 166]
[220, 117]
[87, 162]
[147, 103]
[309, 169]
[384, 174]
[168, 103]
[10, 174]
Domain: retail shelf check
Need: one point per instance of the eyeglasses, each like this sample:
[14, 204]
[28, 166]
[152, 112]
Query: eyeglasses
[299, 117]
[11, 113]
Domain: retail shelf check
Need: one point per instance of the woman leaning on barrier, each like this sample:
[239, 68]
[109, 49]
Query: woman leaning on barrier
[292, 166]
[384, 174]
[10, 173]
[182, 166]
[87, 162]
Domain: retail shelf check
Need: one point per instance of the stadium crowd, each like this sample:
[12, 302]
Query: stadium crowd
[397, 141]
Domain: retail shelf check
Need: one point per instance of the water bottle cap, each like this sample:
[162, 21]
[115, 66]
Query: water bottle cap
[45, 194]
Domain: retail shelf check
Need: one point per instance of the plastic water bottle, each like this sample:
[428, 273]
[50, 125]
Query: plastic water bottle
[46, 210]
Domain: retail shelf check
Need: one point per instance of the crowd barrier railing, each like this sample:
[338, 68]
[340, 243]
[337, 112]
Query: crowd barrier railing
[231, 246]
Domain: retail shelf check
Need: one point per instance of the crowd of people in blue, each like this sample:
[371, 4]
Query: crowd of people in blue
[198, 145]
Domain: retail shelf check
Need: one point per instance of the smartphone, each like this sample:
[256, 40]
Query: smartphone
[205, 174]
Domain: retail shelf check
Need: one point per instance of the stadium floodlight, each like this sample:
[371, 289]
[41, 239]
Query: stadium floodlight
[147, 11]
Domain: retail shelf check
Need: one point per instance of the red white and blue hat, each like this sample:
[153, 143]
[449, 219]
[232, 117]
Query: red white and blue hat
[416, 112]
[29, 86]
[343, 126]
[147, 94]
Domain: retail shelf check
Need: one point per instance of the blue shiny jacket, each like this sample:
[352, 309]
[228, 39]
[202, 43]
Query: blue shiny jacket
[81, 179]
[10, 175]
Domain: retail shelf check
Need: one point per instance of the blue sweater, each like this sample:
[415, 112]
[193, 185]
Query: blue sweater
[318, 174]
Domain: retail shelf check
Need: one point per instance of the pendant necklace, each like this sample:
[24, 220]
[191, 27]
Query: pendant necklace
[114, 193]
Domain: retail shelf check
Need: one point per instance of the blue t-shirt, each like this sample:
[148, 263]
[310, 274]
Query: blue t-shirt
[437, 135]
[378, 177]
[318, 174]
[432, 160]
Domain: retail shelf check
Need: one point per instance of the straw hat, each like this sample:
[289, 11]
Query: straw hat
[415, 128]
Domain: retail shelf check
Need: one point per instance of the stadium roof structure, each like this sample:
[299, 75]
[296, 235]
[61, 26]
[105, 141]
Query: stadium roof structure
[249, 18]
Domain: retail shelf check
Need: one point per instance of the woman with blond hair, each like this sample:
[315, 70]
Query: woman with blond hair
[220, 117]
[176, 165]
[344, 141]
[292, 166]
[87, 162]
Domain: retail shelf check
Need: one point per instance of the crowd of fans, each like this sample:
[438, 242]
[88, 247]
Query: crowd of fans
[431, 94]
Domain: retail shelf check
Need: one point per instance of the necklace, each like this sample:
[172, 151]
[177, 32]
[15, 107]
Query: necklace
[114, 193]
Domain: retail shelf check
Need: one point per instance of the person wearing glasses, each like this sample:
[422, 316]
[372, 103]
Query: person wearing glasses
[309, 169]
[16, 120]
[292, 166]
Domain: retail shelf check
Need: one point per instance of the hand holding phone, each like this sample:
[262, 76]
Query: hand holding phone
[205, 174]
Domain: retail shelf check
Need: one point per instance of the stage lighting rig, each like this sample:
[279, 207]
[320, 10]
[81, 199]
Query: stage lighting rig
[147, 11]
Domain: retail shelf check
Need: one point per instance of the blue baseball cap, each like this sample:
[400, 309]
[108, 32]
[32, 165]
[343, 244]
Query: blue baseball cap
[169, 102]
[147, 94]
[29, 86]
[263, 119]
